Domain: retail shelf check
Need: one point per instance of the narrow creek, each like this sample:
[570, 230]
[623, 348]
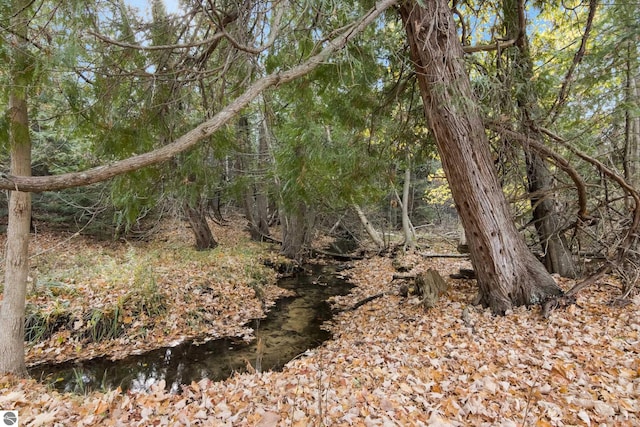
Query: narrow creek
[291, 327]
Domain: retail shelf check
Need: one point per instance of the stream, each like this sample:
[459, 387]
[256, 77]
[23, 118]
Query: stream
[291, 327]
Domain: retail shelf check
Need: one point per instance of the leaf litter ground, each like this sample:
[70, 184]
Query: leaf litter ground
[391, 363]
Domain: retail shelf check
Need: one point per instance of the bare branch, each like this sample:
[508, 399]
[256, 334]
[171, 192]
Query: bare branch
[606, 171]
[275, 29]
[489, 47]
[557, 159]
[577, 58]
[217, 36]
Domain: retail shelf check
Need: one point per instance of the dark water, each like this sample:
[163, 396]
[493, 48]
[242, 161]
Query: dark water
[291, 327]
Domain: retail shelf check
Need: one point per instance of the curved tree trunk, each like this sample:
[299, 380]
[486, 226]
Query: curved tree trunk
[508, 274]
[17, 251]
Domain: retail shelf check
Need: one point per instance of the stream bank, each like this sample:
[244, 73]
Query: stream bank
[291, 327]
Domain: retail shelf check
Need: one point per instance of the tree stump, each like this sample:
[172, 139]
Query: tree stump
[431, 286]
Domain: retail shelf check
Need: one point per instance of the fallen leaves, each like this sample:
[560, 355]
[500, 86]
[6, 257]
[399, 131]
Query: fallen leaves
[393, 363]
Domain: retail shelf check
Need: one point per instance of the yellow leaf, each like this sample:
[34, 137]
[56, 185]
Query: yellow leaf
[101, 407]
[560, 370]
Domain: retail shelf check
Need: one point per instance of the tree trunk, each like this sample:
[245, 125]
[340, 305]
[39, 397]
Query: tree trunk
[507, 272]
[254, 200]
[17, 251]
[200, 227]
[262, 188]
[407, 227]
[555, 247]
[369, 228]
[296, 231]
[632, 117]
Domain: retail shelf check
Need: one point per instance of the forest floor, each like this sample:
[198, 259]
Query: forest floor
[390, 362]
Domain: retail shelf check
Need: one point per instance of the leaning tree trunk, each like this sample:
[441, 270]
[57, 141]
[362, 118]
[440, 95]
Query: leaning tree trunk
[17, 250]
[546, 218]
[368, 227]
[508, 274]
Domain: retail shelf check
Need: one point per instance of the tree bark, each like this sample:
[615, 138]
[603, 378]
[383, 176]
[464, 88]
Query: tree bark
[631, 117]
[254, 198]
[407, 227]
[369, 228]
[555, 247]
[297, 225]
[200, 227]
[507, 272]
[17, 251]
[262, 190]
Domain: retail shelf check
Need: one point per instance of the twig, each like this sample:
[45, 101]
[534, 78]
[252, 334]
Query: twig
[529, 396]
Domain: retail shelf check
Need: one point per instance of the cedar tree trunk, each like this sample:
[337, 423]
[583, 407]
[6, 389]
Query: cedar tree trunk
[297, 226]
[17, 250]
[197, 219]
[555, 247]
[508, 274]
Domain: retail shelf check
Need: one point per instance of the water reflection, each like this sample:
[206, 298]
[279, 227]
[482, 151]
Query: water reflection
[291, 327]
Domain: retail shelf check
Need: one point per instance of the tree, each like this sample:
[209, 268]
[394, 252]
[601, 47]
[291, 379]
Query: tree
[508, 274]
[19, 181]
[21, 69]
[555, 247]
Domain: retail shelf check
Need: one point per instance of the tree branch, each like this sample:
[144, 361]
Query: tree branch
[558, 160]
[205, 129]
[500, 44]
[606, 171]
[217, 36]
[275, 29]
[577, 58]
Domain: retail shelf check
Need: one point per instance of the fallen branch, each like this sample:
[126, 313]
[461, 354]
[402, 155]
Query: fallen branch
[400, 276]
[605, 269]
[364, 301]
[336, 256]
[448, 255]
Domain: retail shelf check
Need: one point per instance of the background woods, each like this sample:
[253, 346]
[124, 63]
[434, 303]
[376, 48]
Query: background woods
[383, 124]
